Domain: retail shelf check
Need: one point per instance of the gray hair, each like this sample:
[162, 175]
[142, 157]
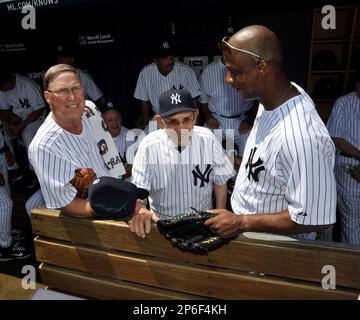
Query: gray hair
[55, 71]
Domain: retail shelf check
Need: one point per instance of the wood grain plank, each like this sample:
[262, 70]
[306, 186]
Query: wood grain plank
[206, 281]
[98, 287]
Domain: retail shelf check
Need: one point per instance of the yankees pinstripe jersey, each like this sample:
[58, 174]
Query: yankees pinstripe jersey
[177, 180]
[344, 122]
[55, 155]
[123, 141]
[91, 90]
[222, 98]
[25, 98]
[288, 164]
[151, 83]
[6, 203]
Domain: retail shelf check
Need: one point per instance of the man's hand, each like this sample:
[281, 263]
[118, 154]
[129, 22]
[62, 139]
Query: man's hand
[226, 224]
[244, 127]
[141, 221]
[212, 123]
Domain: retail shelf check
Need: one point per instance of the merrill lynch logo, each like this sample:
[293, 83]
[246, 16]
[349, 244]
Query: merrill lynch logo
[18, 5]
[95, 39]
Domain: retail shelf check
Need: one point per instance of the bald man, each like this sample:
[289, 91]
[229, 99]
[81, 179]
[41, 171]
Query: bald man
[286, 182]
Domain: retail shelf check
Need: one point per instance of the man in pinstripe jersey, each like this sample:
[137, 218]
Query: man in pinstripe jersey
[180, 165]
[21, 98]
[344, 128]
[160, 76]
[67, 141]
[10, 248]
[286, 182]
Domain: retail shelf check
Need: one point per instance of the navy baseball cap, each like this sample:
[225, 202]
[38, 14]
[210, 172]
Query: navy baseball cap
[114, 198]
[107, 107]
[175, 101]
[163, 49]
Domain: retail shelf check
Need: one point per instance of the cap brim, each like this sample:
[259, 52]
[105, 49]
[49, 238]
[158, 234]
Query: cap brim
[177, 110]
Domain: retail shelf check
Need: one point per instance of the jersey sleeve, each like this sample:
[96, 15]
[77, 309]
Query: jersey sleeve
[203, 85]
[336, 122]
[54, 173]
[142, 172]
[192, 83]
[223, 169]
[91, 89]
[3, 105]
[309, 180]
[141, 91]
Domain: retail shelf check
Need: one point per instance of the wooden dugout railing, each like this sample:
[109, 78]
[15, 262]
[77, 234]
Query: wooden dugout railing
[102, 259]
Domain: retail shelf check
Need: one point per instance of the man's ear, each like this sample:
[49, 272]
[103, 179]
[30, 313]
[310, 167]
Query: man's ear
[196, 114]
[47, 97]
[159, 121]
[262, 66]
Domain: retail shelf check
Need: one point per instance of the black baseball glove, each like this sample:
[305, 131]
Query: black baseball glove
[187, 232]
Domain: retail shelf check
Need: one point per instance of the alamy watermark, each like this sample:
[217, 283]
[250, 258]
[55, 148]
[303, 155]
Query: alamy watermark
[329, 280]
[329, 20]
[29, 280]
[29, 21]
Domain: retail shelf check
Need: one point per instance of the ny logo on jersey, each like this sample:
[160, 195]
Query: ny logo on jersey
[180, 87]
[257, 166]
[203, 177]
[25, 103]
[103, 146]
[175, 98]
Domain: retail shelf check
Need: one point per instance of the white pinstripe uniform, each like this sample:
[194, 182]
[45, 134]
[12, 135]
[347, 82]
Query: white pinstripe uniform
[151, 83]
[223, 100]
[6, 203]
[123, 141]
[92, 92]
[25, 98]
[177, 180]
[288, 164]
[55, 155]
[344, 123]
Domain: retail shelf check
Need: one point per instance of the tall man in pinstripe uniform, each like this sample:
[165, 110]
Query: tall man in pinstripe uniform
[162, 75]
[223, 107]
[179, 165]
[10, 248]
[344, 128]
[286, 182]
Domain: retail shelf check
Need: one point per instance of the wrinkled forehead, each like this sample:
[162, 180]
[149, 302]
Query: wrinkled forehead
[65, 77]
[180, 115]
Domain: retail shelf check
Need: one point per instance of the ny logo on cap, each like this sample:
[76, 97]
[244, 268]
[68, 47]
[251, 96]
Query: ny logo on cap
[175, 98]
[165, 45]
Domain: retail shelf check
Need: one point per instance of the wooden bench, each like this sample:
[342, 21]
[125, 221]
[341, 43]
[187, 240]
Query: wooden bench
[103, 259]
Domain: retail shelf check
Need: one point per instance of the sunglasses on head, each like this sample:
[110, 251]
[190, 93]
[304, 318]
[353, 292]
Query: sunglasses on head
[226, 48]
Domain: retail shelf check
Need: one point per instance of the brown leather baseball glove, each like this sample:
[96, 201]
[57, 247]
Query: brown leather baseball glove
[83, 177]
